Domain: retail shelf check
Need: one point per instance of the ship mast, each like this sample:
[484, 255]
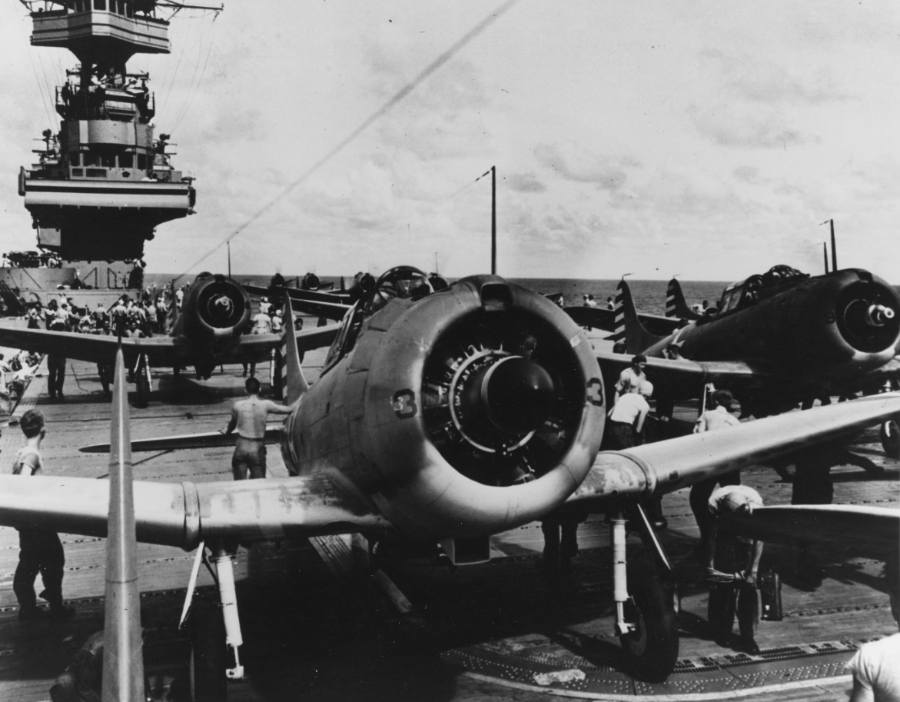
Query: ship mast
[104, 182]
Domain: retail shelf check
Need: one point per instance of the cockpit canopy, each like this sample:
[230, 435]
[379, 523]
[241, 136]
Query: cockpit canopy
[404, 282]
[758, 287]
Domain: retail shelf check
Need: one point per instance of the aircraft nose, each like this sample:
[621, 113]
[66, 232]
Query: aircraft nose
[518, 395]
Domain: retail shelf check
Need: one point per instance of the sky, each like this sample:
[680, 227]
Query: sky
[705, 139]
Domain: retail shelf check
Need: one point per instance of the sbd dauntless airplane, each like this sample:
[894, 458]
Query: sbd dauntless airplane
[424, 421]
[212, 328]
[776, 339]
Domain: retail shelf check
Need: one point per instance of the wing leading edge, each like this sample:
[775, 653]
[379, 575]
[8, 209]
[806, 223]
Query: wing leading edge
[183, 514]
[666, 466]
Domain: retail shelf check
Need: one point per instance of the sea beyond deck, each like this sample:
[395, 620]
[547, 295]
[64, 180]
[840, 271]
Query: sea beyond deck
[496, 631]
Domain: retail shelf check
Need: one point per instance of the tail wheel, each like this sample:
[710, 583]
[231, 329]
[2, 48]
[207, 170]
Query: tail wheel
[650, 651]
[890, 438]
[206, 670]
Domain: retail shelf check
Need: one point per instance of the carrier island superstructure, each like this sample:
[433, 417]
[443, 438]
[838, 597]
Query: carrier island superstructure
[104, 182]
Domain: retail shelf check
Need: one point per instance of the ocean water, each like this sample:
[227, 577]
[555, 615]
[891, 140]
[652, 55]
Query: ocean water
[649, 295]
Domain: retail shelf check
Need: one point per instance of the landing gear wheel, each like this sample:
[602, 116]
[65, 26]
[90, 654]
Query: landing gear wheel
[890, 438]
[206, 669]
[650, 651]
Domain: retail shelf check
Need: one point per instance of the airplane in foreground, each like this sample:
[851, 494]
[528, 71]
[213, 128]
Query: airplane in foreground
[776, 340]
[433, 422]
[213, 327]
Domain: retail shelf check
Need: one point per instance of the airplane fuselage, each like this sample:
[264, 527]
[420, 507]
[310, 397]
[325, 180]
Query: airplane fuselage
[823, 330]
[429, 411]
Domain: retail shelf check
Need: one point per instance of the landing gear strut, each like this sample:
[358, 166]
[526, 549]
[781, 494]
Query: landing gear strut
[645, 611]
[215, 632]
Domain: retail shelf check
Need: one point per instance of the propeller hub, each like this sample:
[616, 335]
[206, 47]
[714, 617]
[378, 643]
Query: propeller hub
[879, 315]
[517, 394]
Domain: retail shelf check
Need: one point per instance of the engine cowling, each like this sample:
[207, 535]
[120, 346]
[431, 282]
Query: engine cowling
[216, 306]
[470, 411]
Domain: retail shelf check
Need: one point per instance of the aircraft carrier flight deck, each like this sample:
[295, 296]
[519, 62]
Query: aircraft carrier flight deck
[317, 629]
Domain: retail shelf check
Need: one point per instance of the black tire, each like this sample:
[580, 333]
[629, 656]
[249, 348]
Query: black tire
[206, 669]
[651, 650]
[890, 438]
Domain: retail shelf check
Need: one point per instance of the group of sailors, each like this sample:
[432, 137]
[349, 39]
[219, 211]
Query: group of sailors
[142, 317]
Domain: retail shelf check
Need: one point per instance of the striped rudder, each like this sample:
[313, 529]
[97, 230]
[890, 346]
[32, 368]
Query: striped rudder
[671, 302]
[676, 305]
[618, 316]
[627, 326]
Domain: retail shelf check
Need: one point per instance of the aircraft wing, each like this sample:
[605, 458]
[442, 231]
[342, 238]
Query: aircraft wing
[600, 318]
[665, 466]
[208, 439]
[879, 527]
[182, 514]
[162, 350]
[301, 294]
[87, 347]
[320, 308]
[312, 302]
[682, 377]
[876, 377]
[310, 338]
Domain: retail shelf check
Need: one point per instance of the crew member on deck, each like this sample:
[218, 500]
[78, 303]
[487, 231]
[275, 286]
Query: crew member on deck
[733, 565]
[249, 416]
[40, 550]
[718, 416]
[631, 377]
[876, 675]
[627, 417]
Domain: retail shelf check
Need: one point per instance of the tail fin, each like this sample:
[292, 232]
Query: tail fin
[123, 661]
[628, 327]
[676, 305]
[295, 382]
